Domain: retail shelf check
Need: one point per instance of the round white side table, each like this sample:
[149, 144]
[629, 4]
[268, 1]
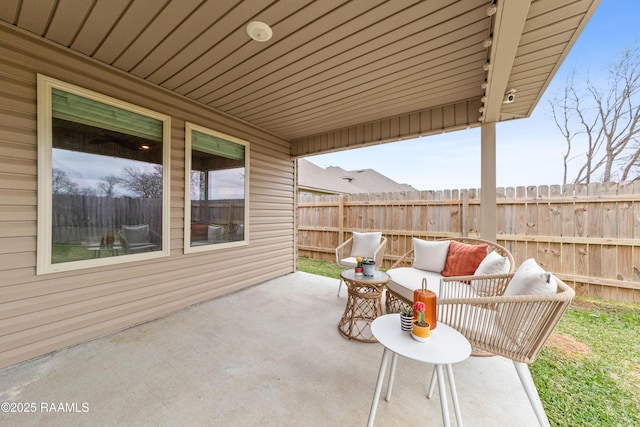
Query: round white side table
[445, 347]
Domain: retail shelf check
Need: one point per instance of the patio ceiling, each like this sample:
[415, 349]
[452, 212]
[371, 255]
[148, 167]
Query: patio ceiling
[336, 73]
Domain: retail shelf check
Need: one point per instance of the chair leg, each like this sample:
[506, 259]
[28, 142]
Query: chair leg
[532, 392]
[339, 287]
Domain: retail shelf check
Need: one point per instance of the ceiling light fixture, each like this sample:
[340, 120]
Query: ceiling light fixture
[259, 31]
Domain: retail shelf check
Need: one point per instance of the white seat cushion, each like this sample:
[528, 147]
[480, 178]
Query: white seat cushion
[480, 324]
[480, 321]
[405, 280]
[349, 262]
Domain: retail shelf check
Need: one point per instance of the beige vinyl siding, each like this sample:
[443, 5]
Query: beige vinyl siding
[40, 314]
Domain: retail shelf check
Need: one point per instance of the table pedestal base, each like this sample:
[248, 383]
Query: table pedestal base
[363, 306]
[438, 375]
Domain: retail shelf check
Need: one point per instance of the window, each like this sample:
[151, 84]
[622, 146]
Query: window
[216, 186]
[103, 179]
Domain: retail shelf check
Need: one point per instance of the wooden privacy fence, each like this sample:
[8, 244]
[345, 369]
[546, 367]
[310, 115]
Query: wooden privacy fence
[588, 235]
[88, 218]
[78, 218]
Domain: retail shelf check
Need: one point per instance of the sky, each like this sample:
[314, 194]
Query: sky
[529, 151]
[88, 171]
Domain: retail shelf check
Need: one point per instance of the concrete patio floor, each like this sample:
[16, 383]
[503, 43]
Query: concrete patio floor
[283, 363]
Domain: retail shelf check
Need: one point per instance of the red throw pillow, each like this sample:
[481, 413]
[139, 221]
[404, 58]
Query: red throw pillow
[463, 259]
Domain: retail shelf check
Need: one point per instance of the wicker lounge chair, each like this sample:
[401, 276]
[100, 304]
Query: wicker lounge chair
[370, 245]
[515, 327]
[138, 238]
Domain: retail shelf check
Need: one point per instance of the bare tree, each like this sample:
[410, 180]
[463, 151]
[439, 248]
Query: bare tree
[561, 111]
[198, 179]
[146, 185]
[603, 123]
[62, 184]
[107, 185]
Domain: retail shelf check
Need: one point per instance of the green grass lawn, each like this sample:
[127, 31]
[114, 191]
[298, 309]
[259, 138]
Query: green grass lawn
[67, 253]
[321, 268]
[588, 374]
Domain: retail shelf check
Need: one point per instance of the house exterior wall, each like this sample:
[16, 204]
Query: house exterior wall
[43, 313]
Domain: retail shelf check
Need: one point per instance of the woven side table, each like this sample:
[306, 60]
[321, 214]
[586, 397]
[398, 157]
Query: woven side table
[363, 304]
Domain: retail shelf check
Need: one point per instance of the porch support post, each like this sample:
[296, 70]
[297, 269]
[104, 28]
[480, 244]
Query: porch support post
[488, 182]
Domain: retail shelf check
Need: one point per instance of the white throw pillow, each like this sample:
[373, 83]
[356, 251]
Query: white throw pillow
[430, 256]
[493, 263]
[531, 279]
[365, 244]
[520, 323]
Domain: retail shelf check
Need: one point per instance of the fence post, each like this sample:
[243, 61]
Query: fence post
[340, 219]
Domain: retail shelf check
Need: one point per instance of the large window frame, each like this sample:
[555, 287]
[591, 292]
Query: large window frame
[190, 128]
[46, 86]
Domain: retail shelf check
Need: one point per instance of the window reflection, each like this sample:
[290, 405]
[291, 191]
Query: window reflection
[217, 190]
[107, 180]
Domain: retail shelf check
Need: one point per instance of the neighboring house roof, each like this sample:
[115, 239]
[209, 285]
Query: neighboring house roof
[336, 180]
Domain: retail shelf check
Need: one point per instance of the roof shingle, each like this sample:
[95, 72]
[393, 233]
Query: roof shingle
[334, 179]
